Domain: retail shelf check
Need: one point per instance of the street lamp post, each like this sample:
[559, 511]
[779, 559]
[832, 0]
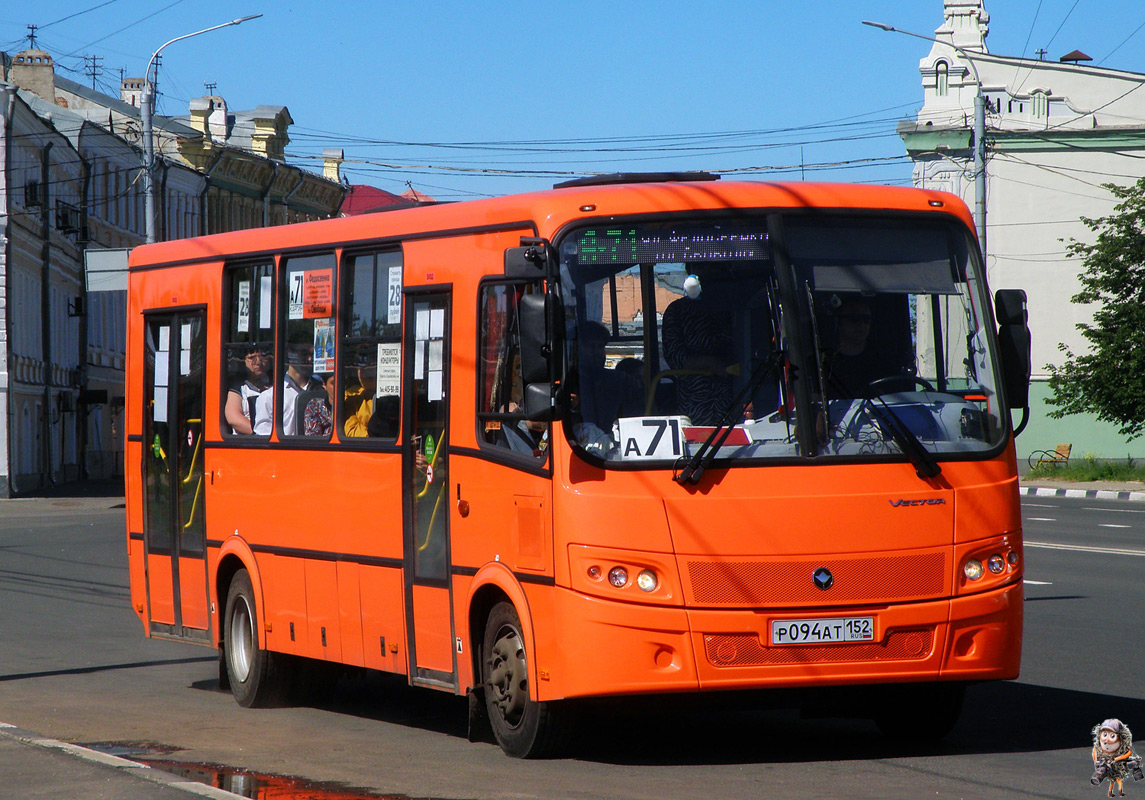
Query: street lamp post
[979, 131]
[146, 112]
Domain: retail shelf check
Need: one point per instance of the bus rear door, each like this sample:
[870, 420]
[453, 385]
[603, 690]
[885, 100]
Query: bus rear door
[173, 523]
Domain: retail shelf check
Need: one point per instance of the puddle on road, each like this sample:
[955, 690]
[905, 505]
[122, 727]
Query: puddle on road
[254, 785]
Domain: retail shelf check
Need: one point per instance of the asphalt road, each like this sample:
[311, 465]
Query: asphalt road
[74, 666]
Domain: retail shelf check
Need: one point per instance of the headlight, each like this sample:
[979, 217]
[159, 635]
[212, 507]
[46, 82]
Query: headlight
[996, 564]
[972, 569]
[618, 577]
[647, 581]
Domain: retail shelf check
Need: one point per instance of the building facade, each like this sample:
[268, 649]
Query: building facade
[1055, 132]
[70, 182]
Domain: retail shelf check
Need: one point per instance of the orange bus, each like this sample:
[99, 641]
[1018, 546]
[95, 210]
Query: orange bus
[639, 434]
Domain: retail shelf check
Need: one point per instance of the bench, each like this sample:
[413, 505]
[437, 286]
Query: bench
[1059, 455]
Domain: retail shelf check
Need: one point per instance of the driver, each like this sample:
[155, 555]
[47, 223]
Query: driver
[854, 363]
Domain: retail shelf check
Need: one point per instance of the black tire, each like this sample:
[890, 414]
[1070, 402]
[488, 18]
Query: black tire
[224, 676]
[924, 712]
[524, 728]
[256, 676]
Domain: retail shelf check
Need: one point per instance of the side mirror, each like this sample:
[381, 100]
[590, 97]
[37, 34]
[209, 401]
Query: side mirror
[540, 319]
[532, 260]
[535, 345]
[538, 402]
[1014, 345]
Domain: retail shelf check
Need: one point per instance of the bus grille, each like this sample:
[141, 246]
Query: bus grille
[746, 650]
[866, 579]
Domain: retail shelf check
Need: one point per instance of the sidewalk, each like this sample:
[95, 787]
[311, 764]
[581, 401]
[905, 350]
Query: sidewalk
[77, 497]
[33, 766]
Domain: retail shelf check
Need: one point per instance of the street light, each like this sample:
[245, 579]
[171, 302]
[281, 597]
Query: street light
[146, 111]
[979, 131]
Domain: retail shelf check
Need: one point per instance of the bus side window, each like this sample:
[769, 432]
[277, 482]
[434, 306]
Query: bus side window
[500, 422]
[370, 347]
[248, 347]
[309, 349]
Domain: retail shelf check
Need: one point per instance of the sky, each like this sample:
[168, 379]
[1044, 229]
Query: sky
[460, 100]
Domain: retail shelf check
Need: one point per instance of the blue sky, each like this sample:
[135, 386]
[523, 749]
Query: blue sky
[467, 99]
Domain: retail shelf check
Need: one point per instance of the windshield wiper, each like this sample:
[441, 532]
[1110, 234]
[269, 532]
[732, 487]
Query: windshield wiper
[700, 460]
[925, 464]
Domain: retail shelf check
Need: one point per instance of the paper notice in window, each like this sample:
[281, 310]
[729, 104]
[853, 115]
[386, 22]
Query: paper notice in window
[160, 403]
[389, 369]
[265, 298]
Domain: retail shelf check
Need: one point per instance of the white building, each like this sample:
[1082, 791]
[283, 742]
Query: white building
[1055, 132]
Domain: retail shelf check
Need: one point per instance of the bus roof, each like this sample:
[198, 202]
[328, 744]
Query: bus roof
[546, 212]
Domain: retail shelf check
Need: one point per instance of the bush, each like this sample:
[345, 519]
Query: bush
[1091, 468]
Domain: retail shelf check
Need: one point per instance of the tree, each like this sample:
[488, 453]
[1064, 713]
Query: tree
[1109, 381]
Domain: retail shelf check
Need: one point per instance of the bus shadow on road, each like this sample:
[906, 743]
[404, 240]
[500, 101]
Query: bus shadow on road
[753, 728]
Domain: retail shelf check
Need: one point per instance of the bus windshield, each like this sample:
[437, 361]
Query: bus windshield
[689, 336]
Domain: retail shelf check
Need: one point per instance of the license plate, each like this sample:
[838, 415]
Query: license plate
[822, 631]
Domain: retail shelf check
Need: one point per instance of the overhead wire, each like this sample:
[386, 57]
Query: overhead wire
[1123, 43]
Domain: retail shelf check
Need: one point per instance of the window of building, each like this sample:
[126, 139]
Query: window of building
[942, 79]
[500, 421]
[370, 348]
[248, 347]
[1041, 105]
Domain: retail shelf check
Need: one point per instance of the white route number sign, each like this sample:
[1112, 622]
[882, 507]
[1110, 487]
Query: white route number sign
[652, 437]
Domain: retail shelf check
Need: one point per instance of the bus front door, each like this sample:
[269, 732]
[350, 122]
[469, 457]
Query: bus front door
[173, 527]
[425, 466]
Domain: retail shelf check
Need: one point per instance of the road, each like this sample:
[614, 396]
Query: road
[75, 666]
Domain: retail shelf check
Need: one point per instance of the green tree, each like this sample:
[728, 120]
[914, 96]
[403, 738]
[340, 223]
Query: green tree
[1109, 381]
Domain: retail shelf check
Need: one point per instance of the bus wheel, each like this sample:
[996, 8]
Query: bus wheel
[524, 728]
[924, 712]
[254, 674]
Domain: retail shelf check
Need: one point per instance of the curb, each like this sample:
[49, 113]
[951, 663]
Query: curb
[1092, 494]
[124, 766]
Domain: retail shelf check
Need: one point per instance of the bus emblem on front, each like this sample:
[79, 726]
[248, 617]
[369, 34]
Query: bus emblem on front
[823, 578]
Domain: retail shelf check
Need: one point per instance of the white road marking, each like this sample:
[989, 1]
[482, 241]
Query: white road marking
[1038, 583]
[1080, 548]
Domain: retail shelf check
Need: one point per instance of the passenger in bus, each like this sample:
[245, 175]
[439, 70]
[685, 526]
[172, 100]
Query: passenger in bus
[359, 400]
[386, 417]
[316, 419]
[244, 392]
[298, 379]
[605, 394]
[697, 339]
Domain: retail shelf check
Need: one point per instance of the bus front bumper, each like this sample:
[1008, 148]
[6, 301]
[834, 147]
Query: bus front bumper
[609, 648]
